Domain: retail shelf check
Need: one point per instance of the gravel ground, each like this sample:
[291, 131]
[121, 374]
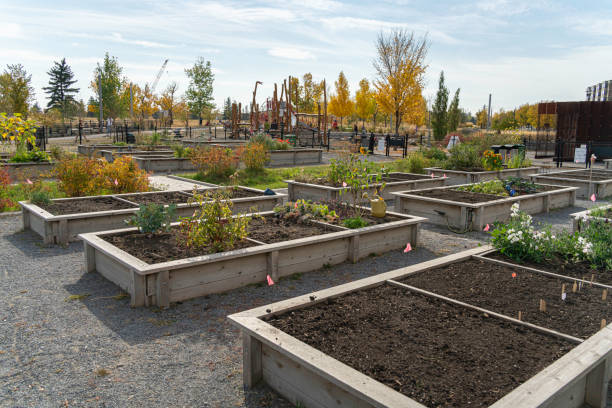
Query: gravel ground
[70, 338]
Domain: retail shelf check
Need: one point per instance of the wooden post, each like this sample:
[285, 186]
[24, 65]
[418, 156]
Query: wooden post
[162, 289]
[520, 315]
[604, 294]
[574, 287]
[251, 360]
[562, 289]
[542, 305]
[603, 323]
[89, 253]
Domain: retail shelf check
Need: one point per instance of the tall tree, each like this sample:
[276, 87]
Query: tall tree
[167, 100]
[454, 114]
[199, 93]
[400, 66]
[60, 90]
[16, 92]
[341, 104]
[308, 95]
[114, 85]
[481, 118]
[143, 102]
[227, 109]
[365, 104]
[438, 111]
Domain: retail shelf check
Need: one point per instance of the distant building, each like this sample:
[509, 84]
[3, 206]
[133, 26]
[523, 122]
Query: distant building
[600, 93]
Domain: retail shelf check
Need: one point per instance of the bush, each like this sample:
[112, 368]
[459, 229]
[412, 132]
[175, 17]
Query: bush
[492, 161]
[57, 153]
[495, 187]
[463, 157]
[216, 161]
[414, 163]
[122, 176]
[40, 197]
[354, 223]
[25, 156]
[213, 224]
[153, 218]
[181, 152]
[433, 153]
[269, 143]
[255, 156]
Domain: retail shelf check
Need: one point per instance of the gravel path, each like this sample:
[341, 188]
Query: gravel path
[70, 338]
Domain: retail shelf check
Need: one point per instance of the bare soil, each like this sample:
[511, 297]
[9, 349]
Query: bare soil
[494, 288]
[459, 196]
[436, 353]
[170, 197]
[270, 230]
[403, 176]
[85, 205]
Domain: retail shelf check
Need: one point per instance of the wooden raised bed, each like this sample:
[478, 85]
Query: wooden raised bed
[163, 164]
[162, 283]
[474, 216]
[455, 177]
[608, 164]
[312, 378]
[585, 216]
[600, 185]
[110, 155]
[61, 229]
[89, 150]
[22, 171]
[396, 182]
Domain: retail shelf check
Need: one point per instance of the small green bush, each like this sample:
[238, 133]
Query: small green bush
[153, 218]
[463, 157]
[354, 223]
[25, 156]
[40, 197]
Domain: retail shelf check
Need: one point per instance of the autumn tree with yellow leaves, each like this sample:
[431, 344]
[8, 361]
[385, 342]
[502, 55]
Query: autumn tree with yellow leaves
[341, 104]
[365, 104]
[168, 101]
[400, 65]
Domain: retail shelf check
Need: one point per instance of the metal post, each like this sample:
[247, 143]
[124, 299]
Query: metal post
[489, 114]
[100, 100]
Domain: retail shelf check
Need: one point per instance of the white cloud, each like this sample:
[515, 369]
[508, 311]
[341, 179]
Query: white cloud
[593, 26]
[119, 38]
[510, 7]
[242, 15]
[290, 53]
[10, 30]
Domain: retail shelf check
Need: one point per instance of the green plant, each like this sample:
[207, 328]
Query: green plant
[463, 157]
[40, 197]
[599, 234]
[306, 210]
[492, 161]
[181, 152]
[152, 218]
[213, 224]
[414, 163]
[604, 212]
[119, 144]
[495, 187]
[25, 156]
[57, 152]
[215, 161]
[255, 156]
[517, 161]
[518, 185]
[433, 153]
[354, 223]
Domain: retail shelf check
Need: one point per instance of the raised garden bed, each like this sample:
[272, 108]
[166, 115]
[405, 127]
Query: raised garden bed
[608, 164]
[600, 184]
[393, 182]
[455, 177]
[464, 210]
[278, 250]
[89, 150]
[163, 163]
[585, 216]
[110, 155]
[102, 213]
[380, 343]
[31, 170]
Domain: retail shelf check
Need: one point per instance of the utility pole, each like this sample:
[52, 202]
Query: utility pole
[100, 99]
[489, 114]
[131, 102]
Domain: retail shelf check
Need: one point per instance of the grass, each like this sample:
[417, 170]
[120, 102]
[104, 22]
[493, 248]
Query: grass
[76, 297]
[21, 192]
[273, 178]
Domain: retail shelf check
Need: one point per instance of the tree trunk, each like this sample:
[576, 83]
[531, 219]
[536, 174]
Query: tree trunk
[397, 122]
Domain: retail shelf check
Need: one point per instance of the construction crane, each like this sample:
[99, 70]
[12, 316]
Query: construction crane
[159, 74]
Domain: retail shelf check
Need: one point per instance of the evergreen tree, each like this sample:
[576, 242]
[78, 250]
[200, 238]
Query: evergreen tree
[454, 114]
[438, 110]
[227, 109]
[60, 91]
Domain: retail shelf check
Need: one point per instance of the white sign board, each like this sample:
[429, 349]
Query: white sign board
[381, 144]
[580, 154]
[454, 139]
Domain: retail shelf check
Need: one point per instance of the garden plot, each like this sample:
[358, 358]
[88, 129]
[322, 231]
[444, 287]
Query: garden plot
[599, 183]
[378, 342]
[455, 177]
[603, 213]
[89, 150]
[467, 210]
[31, 170]
[608, 164]
[331, 192]
[110, 155]
[163, 163]
[61, 221]
[157, 271]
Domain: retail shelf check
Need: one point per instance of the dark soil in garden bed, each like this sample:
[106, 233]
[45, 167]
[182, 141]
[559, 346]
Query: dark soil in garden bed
[492, 287]
[272, 229]
[170, 197]
[159, 248]
[459, 196]
[436, 353]
[345, 211]
[85, 205]
[584, 177]
[581, 270]
[403, 176]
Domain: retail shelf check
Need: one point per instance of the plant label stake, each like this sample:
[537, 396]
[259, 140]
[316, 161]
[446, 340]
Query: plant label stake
[542, 305]
[603, 323]
[563, 296]
[513, 275]
[562, 290]
[520, 315]
[592, 279]
[486, 228]
[604, 294]
[270, 281]
[574, 287]
[408, 248]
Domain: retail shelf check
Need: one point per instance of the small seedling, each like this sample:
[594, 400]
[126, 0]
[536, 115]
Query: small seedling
[152, 218]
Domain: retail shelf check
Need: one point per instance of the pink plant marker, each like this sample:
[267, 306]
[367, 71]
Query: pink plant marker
[486, 228]
[513, 275]
[295, 206]
[593, 198]
[344, 184]
[432, 175]
[444, 176]
[29, 181]
[116, 182]
[408, 248]
[270, 281]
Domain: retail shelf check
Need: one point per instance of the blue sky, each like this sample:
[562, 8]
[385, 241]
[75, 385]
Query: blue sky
[520, 51]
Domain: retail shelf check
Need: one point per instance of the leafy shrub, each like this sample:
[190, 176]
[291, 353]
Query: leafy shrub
[181, 152]
[153, 218]
[492, 161]
[215, 161]
[77, 175]
[57, 153]
[517, 161]
[463, 157]
[40, 197]
[119, 144]
[5, 180]
[5, 202]
[433, 153]
[213, 224]
[599, 234]
[25, 156]
[255, 156]
[270, 143]
[122, 176]
[308, 209]
[354, 223]
[414, 163]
